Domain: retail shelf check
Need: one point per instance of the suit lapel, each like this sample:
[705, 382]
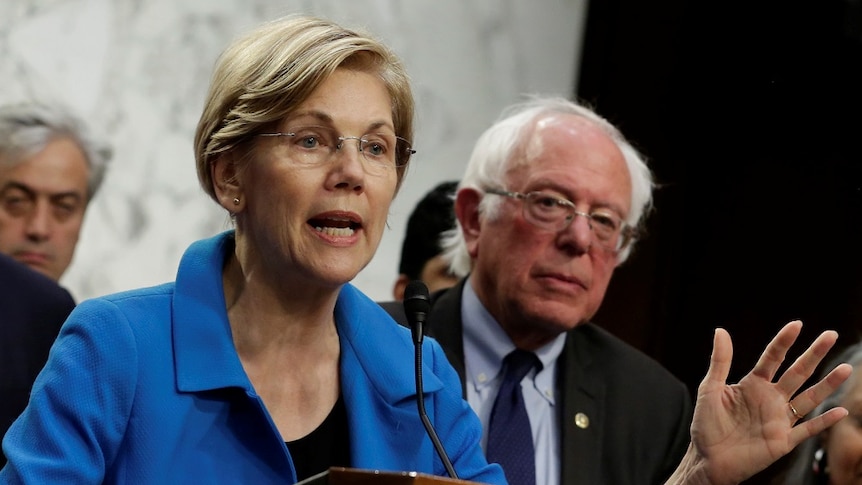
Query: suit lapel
[444, 324]
[583, 395]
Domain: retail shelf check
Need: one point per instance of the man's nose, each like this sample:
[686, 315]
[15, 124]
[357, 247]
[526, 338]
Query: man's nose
[579, 231]
[39, 221]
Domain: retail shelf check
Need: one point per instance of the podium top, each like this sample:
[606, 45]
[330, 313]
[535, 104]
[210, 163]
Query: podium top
[355, 476]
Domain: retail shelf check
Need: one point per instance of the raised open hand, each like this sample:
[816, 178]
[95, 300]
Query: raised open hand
[740, 429]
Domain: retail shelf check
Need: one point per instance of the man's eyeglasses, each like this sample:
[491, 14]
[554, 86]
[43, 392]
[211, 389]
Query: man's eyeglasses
[555, 214]
[317, 145]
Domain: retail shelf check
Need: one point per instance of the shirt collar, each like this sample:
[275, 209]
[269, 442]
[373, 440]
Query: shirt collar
[486, 344]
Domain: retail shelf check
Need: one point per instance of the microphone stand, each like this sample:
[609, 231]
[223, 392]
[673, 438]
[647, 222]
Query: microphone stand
[416, 305]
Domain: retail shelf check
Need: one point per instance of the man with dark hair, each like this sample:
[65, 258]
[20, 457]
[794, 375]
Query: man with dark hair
[420, 251]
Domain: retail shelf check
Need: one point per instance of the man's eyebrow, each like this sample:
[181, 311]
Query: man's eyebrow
[548, 185]
[31, 192]
[73, 196]
[13, 185]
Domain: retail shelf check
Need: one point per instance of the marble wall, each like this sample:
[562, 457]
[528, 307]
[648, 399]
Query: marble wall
[138, 71]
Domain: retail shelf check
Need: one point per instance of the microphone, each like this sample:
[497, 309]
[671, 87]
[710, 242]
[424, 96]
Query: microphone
[417, 304]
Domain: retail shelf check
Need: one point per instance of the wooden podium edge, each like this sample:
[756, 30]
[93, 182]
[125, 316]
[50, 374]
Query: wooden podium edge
[357, 476]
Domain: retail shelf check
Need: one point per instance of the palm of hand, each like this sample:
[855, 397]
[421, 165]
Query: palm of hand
[740, 429]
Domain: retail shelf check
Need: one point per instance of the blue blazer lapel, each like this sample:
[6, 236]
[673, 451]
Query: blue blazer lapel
[379, 387]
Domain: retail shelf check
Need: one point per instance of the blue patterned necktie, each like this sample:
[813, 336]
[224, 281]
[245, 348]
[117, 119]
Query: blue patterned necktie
[510, 438]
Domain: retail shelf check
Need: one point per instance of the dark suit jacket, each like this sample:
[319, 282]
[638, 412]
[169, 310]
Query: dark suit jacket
[32, 309]
[625, 418]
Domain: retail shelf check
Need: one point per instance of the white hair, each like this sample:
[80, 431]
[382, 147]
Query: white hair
[494, 155]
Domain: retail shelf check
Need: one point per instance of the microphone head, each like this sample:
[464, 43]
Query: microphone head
[416, 298]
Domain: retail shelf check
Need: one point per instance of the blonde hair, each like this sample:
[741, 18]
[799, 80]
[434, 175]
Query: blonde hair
[266, 74]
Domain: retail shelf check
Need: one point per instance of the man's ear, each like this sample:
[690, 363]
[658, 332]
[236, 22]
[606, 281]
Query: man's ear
[467, 211]
[226, 183]
[400, 286]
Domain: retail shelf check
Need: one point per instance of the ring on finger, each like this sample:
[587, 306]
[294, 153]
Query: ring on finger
[794, 411]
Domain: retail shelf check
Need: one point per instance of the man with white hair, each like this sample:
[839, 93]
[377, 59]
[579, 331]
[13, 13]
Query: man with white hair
[549, 206]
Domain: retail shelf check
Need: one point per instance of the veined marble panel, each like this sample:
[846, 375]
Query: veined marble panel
[138, 71]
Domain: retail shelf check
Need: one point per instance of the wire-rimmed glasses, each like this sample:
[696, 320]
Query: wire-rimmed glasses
[555, 214]
[313, 145]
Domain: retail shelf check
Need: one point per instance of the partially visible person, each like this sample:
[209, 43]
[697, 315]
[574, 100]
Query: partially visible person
[260, 363]
[550, 204]
[51, 166]
[32, 309]
[834, 456]
[421, 257]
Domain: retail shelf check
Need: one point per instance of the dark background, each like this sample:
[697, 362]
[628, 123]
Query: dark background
[750, 114]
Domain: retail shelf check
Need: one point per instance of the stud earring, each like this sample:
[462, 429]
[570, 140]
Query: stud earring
[236, 201]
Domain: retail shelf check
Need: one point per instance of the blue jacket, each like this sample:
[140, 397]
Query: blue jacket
[145, 386]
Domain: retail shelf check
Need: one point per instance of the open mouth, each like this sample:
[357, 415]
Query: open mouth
[335, 227]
